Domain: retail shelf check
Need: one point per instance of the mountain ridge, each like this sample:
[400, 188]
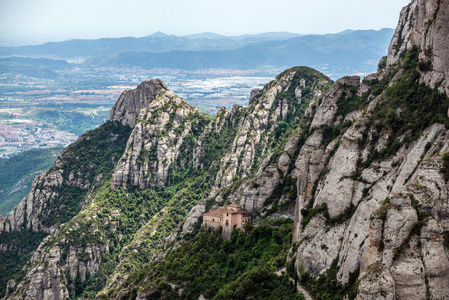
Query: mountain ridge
[334, 54]
[139, 44]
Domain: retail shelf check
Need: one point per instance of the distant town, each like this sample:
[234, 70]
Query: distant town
[44, 113]
[18, 135]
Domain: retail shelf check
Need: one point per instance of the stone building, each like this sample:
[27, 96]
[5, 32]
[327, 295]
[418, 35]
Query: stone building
[229, 217]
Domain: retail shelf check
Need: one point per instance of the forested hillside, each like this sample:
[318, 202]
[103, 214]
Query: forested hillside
[17, 174]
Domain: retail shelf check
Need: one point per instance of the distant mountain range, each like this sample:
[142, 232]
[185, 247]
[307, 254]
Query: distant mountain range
[348, 51]
[156, 42]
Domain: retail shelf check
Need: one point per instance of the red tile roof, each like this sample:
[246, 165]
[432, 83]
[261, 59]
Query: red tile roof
[230, 209]
[218, 213]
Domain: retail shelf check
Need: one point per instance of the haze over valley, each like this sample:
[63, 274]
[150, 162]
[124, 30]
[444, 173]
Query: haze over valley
[71, 85]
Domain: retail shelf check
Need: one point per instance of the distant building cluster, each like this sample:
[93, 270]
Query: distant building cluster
[6, 135]
[21, 135]
[229, 217]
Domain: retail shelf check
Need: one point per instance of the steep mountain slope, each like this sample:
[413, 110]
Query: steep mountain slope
[17, 174]
[360, 166]
[377, 206]
[59, 194]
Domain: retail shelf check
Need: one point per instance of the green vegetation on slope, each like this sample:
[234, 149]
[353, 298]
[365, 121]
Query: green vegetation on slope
[93, 154]
[118, 215]
[125, 217]
[328, 287]
[409, 105]
[242, 268]
[91, 157]
[151, 237]
[217, 143]
[21, 245]
[309, 81]
[18, 172]
[406, 111]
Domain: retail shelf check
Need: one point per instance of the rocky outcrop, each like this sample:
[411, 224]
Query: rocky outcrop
[375, 215]
[222, 128]
[65, 185]
[308, 166]
[326, 112]
[377, 283]
[252, 194]
[55, 265]
[423, 23]
[341, 213]
[27, 214]
[130, 103]
[280, 100]
[165, 128]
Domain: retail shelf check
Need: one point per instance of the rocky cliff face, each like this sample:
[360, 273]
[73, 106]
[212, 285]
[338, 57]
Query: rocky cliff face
[68, 182]
[128, 106]
[284, 99]
[166, 128]
[424, 24]
[375, 209]
[55, 198]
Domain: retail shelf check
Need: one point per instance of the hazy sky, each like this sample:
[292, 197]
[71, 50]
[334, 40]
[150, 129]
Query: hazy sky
[64, 19]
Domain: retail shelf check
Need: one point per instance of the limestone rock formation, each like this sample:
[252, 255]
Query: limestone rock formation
[280, 100]
[48, 278]
[423, 23]
[374, 214]
[74, 172]
[157, 139]
[55, 198]
[128, 106]
[371, 215]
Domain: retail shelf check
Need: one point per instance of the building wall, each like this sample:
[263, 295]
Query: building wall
[213, 222]
[236, 221]
[227, 219]
[227, 229]
[228, 222]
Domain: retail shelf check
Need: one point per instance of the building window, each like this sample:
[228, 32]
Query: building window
[227, 224]
[213, 220]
